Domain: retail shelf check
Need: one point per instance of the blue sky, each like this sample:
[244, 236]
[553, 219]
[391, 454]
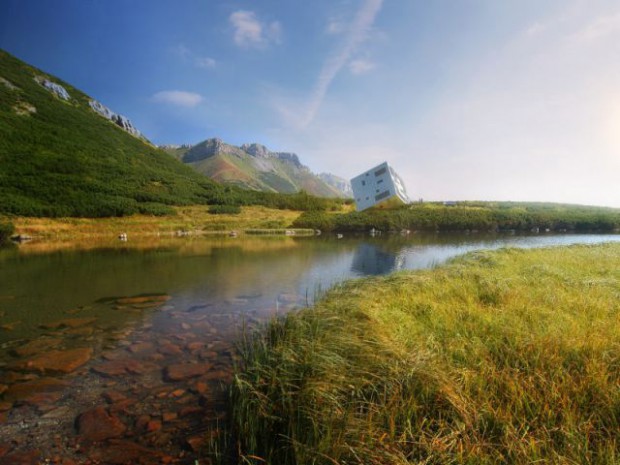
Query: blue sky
[467, 99]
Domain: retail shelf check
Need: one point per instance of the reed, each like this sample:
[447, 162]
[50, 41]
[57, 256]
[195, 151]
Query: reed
[510, 356]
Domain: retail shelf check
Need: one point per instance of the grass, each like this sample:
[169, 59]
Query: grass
[483, 216]
[511, 356]
[197, 219]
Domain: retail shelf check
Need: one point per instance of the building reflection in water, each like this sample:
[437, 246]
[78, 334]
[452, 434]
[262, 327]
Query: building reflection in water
[372, 260]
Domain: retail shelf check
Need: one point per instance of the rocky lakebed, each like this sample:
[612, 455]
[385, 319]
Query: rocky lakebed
[143, 393]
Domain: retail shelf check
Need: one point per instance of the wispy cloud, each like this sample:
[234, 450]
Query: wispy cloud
[198, 61]
[356, 33]
[179, 98]
[361, 66]
[250, 32]
[205, 62]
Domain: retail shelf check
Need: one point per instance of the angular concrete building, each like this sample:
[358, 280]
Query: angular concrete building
[379, 187]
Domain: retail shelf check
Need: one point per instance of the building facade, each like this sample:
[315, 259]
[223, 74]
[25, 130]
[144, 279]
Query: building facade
[378, 187]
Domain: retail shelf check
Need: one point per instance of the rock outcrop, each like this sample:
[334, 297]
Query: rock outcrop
[56, 89]
[120, 120]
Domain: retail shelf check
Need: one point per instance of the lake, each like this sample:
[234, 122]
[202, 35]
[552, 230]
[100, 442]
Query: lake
[139, 336]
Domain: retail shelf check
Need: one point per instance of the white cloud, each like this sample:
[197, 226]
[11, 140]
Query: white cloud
[361, 66]
[178, 97]
[250, 32]
[187, 55]
[357, 32]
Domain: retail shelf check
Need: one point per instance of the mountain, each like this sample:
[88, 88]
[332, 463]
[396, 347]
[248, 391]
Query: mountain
[337, 182]
[253, 166]
[62, 153]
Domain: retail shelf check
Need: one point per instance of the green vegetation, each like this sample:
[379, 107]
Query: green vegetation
[6, 231]
[509, 356]
[60, 159]
[484, 216]
[225, 209]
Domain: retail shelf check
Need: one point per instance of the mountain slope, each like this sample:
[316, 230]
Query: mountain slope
[64, 154]
[253, 166]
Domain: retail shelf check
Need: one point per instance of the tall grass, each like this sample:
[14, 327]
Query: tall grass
[500, 357]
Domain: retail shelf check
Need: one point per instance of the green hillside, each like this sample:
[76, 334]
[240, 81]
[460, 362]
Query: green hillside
[60, 158]
[254, 167]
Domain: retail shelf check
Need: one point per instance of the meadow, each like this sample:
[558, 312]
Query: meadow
[510, 356]
[482, 216]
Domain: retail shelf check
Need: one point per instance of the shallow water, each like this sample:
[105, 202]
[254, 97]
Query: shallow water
[82, 298]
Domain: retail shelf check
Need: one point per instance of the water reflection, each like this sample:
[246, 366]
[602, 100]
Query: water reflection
[372, 259]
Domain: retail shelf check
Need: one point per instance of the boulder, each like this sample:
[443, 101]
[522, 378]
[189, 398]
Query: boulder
[57, 361]
[98, 425]
[56, 89]
[184, 371]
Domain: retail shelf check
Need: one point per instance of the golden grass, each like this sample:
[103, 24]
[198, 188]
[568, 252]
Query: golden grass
[504, 357]
[191, 218]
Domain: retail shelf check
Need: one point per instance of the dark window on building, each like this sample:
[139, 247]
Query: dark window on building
[380, 172]
[363, 183]
[379, 181]
[382, 196]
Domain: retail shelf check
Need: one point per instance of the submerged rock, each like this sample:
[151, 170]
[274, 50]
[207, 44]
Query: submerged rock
[69, 323]
[98, 424]
[142, 299]
[21, 391]
[184, 371]
[57, 361]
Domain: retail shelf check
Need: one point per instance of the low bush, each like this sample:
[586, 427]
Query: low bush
[6, 231]
[224, 209]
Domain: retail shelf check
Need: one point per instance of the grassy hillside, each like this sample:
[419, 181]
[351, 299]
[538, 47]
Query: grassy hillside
[483, 216]
[60, 158]
[505, 357]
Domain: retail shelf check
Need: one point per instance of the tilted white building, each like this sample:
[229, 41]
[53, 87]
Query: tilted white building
[378, 187]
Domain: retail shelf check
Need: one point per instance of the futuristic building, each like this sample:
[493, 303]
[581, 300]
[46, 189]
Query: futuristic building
[379, 187]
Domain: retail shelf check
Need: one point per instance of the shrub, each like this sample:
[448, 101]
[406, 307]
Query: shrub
[6, 231]
[224, 209]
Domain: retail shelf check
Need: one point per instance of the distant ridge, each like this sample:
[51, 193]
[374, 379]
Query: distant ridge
[254, 166]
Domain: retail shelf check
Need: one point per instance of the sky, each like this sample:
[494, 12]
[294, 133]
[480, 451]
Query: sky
[466, 99]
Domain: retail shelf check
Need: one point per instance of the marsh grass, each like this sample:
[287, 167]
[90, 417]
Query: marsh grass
[511, 356]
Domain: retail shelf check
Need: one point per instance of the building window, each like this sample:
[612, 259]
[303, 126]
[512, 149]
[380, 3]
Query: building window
[380, 172]
[363, 182]
[382, 195]
[379, 181]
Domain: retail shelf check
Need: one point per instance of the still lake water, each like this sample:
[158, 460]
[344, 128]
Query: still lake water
[156, 362]
[252, 275]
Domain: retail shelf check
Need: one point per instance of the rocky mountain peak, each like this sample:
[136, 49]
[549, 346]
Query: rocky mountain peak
[256, 150]
[290, 157]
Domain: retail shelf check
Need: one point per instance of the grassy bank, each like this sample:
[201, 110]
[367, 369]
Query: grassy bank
[483, 216]
[194, 219]
[510, 356]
